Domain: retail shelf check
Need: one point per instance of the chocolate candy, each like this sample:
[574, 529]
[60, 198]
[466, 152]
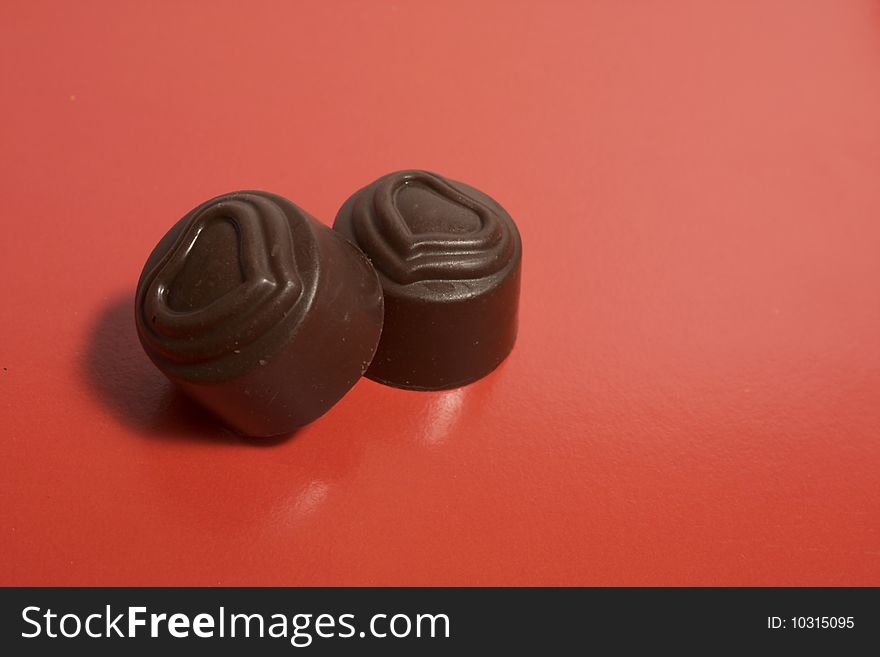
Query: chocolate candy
[448, 257]
[259, 312]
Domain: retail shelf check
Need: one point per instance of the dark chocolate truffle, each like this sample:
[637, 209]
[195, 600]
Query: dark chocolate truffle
[259, 312]
[448, 257]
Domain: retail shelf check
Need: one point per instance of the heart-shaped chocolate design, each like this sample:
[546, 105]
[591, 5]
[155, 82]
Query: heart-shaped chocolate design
[240, 248]
[443, 233]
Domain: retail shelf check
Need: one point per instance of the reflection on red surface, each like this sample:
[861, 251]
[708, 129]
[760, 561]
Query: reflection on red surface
[442, 414]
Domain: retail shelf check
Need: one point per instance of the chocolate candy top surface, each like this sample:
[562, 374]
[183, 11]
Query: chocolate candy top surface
[417, 226]
[238, 269]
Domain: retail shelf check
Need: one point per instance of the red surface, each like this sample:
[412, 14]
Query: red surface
[695, 394]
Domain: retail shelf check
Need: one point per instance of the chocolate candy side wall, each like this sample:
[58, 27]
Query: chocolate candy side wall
[258, 311]
[448, 257]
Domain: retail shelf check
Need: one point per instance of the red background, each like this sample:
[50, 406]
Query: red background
[695, 394]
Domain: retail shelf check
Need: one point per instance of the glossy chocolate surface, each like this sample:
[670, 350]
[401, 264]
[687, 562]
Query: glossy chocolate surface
[258, 311]
[449, 259]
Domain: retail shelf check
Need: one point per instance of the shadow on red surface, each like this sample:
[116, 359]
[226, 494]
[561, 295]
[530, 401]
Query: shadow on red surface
[121, 377]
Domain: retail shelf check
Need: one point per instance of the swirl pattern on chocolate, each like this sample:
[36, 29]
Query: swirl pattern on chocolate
[406, 256]
[269, 289]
